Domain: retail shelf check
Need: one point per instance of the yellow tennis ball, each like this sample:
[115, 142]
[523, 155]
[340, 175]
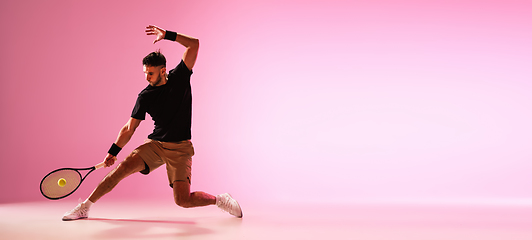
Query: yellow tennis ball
[61, 182]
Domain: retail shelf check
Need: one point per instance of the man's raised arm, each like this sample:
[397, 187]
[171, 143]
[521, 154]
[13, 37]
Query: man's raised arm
[192, 44]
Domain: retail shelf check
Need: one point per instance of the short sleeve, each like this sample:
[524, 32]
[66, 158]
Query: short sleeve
[139, 111]
[180, 73]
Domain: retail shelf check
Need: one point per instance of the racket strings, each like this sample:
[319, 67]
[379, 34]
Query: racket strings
[50, 185]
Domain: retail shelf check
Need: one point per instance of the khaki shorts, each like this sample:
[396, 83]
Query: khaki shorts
[176, 156]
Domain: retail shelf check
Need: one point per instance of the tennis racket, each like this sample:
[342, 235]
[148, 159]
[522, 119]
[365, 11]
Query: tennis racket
[62, 182]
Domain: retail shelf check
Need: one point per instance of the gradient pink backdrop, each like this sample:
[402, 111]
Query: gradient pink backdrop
[316, 101]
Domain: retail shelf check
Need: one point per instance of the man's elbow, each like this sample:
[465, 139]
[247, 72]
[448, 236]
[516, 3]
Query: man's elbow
[128, 130]
[194, 43]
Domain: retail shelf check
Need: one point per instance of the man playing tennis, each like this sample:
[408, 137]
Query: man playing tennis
[168, 100]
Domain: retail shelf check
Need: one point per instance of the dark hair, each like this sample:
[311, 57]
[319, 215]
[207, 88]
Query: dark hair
[154, 59]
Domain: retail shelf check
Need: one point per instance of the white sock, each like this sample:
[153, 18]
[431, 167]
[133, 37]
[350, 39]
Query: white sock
[88, 203]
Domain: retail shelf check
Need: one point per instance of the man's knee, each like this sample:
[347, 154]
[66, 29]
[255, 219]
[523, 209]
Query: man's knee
[183, 201]
[182, 194]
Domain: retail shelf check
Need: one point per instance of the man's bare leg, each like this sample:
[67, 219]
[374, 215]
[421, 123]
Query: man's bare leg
[132, 164]
[184, 198]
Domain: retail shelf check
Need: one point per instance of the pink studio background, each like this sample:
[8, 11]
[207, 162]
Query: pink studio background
[315, 101]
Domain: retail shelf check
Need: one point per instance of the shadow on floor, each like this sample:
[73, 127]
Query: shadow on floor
[148, 229]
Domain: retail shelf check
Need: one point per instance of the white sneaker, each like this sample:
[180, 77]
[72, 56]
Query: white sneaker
[79, 212]
[228, 204]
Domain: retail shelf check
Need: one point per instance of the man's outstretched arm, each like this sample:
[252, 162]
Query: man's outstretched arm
[191, 43]
[123, 138]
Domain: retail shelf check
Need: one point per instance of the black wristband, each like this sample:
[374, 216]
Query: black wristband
[114, 150]
[172, 36]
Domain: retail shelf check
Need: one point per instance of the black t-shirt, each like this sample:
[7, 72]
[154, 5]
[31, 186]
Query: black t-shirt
[169, 105]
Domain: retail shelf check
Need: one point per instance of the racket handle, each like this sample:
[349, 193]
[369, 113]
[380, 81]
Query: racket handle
[100, 165]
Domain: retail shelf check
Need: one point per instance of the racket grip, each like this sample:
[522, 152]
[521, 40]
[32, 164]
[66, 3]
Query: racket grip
[100, 165]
